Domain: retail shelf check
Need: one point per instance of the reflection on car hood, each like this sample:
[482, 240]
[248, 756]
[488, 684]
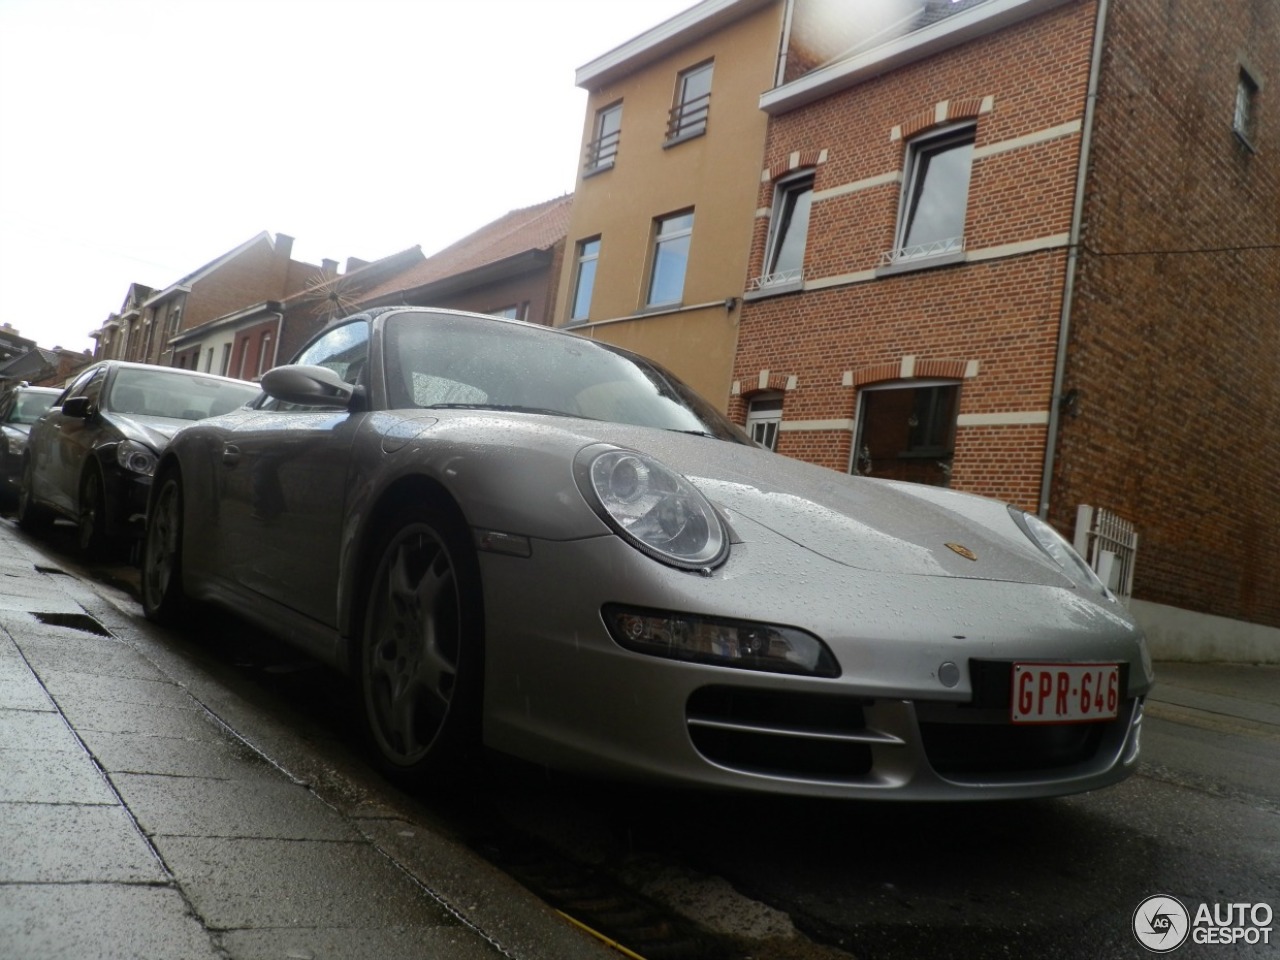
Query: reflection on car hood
[858, 522]
[866, 524]
[155, 432]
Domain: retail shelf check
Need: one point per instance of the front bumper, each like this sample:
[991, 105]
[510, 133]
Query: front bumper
[559, 691]
[126, 495]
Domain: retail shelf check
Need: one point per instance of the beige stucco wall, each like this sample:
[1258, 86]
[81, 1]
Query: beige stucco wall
[717, 175]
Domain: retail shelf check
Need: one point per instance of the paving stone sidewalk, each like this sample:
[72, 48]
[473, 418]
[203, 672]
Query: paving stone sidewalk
[133, 824]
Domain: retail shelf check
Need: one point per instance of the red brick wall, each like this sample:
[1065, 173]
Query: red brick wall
[1001, 313]
[1175, 334]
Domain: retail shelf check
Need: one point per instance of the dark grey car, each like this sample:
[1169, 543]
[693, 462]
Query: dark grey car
[20, 407]
[90, 457]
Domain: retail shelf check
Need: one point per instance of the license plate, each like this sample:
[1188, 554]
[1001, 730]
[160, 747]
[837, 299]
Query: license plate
[1065, 692]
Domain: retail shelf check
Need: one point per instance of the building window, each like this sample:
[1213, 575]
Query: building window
[907, 432]
[1246, 104]
[226, 359]
[603, 147]
[788, 233]
[266, 356]
[672, 237]
[935, 195]
[764, 415]
[584, 280]
[512, 312]
[693, 104]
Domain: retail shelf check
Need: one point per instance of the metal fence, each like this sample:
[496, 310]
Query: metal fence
[1110, 545]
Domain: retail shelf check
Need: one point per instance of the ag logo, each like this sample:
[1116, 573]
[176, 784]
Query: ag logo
[1161, 924]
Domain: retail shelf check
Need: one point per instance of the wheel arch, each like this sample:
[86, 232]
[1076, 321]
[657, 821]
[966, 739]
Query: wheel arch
[363, 558]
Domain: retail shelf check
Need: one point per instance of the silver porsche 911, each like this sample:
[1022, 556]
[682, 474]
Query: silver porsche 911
[519, 538]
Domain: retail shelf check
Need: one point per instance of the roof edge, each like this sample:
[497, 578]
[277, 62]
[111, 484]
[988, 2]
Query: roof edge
[936, 38]
[670, 35]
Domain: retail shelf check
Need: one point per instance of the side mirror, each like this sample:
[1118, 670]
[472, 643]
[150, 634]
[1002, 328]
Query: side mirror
[307, 386]
[81, 407]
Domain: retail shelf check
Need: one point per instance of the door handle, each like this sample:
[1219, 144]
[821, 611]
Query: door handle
[230, 454]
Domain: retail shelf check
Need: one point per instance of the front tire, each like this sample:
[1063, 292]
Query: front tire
[92, 534]
[163, 598]
[421, 656]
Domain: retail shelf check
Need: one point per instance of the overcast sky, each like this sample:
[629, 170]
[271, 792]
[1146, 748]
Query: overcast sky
[140, 139]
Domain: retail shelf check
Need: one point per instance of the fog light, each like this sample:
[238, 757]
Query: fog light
[721, 643]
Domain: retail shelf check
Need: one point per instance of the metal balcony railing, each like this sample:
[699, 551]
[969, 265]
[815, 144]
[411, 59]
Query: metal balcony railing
[601, 151]
[689, 118]
[779, 279]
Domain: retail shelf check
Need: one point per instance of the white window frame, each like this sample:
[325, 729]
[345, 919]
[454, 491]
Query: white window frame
[938, 250]
[662, 238]
[267, 348]
[586, 260]
[785, 195]
[764, 417]
[688, 121]
[601, 155]
[860, 414]
[1245, 117]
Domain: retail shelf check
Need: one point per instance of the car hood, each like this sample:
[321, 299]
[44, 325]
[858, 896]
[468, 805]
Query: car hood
[155, 432]
[872, 525]
[863, 523]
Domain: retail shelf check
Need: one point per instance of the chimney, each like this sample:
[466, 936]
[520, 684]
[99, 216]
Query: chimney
[329, 267]
[284, 245]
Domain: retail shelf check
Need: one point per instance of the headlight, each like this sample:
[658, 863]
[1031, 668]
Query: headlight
[652, 507]
[1059, 550]
[136, 457]
[721, 643]
[15, 443]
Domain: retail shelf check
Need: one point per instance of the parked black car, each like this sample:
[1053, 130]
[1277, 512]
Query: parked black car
[91, 456]
[20, 407]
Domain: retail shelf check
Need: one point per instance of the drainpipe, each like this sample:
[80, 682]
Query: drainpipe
[1073, 259]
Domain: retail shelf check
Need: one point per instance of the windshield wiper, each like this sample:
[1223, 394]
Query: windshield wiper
[504, 408]
[695, 433]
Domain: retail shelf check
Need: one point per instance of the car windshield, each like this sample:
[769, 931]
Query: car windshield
[462, 362]
[178, 396]
[30, 407]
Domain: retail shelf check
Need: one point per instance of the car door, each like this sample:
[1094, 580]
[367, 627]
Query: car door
[65, 444]
[282, 487]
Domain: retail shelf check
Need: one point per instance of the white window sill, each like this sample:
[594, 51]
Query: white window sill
[914, 264]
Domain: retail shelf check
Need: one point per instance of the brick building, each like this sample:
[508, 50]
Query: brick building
[258, 270]
[250, 340]
[1031, 249]
[510, 267]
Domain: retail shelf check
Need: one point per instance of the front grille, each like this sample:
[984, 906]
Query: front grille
[1008, 748]
[792, 735]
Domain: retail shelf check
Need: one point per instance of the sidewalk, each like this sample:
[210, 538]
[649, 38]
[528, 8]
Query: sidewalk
[135, 825]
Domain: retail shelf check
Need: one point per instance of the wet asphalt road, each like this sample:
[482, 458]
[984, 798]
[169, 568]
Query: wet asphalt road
[799, 880]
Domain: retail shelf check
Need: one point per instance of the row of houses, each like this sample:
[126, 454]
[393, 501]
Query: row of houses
[1024, 248]
[23, 360]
